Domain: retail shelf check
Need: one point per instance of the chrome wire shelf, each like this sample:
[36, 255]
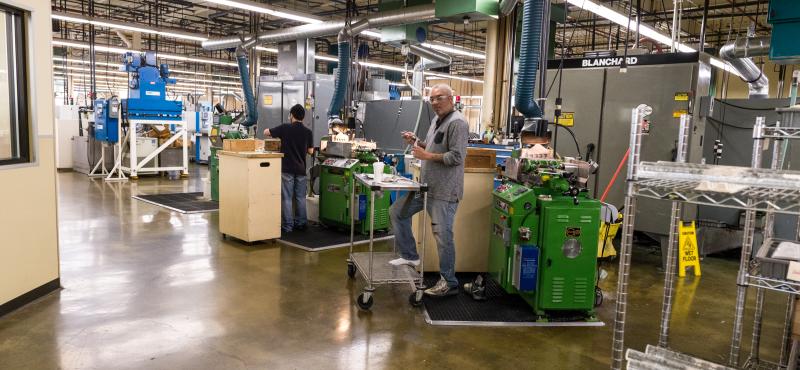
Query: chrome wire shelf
[777, 285]
[786, 201]
[781, 132]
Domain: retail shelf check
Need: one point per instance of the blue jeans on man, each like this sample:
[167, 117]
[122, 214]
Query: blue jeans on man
[293, 202]
[442, 214]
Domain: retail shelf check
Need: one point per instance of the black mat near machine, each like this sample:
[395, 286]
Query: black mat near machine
[181, 202]
[317, 238]
[499, 309]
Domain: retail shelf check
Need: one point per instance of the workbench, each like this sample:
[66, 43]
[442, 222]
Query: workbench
[472, 224]
[250, 195]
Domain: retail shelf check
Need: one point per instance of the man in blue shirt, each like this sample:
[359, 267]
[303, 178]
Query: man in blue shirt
[296, 141]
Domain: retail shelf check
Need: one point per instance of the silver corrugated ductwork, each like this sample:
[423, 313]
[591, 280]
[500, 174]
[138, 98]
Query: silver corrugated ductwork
[432, 58]
[507, 6]
[423, 13]
[429, 58]
[738, 54]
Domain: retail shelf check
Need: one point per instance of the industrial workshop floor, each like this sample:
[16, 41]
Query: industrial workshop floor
[145, 287]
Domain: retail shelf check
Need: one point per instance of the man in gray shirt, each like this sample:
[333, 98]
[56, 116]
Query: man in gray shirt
[442, 154]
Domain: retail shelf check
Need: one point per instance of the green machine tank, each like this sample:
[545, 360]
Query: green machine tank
[544, 236]
[336, 183]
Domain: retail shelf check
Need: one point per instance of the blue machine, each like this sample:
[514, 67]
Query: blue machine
[147, 89]
[106, 120]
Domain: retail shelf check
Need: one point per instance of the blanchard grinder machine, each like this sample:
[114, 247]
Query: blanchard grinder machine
[544, 235]
[341, 161]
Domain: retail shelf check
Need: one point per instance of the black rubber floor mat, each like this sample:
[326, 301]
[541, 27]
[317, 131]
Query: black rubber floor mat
[500, 309]
[181, 202]
[316, 238]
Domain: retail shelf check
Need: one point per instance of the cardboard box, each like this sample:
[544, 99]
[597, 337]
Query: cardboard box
[480, 158]
[272, 145]
[159, 131]
[242, 145]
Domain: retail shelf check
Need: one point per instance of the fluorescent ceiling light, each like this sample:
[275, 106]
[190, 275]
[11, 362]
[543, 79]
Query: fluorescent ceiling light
[71, 60]
[125, 26]
[644, 30]
[270, 50]
[107, 71]
[107, 49]
[454, 50]
[260, 8]
[444, 76]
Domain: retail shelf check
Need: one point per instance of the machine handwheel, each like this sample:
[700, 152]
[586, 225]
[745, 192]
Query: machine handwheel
[364, 304]
[415, 298]
[598, 296]
[351, 270]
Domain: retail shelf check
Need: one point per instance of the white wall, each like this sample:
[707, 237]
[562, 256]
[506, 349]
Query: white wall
[28, 223]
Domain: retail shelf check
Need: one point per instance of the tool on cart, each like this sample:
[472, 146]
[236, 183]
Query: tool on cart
[544, 233]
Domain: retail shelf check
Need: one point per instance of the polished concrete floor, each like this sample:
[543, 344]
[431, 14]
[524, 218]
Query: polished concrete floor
[144, 287]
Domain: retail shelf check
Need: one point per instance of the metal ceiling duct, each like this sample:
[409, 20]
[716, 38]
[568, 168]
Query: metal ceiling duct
[433, 58]
[429, 58]
[423, 13]
[738, 54]
[507, 6]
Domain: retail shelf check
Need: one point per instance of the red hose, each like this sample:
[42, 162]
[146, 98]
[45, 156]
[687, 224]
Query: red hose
[616, 173]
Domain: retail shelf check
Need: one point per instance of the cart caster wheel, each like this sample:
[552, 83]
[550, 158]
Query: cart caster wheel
[415, 298]
[598, 297]
[351, 270]
[225, 236]
[362, 304]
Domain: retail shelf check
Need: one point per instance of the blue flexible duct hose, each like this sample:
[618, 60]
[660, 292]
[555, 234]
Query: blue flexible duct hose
[529, 58]
[340, 90]
[251, 113]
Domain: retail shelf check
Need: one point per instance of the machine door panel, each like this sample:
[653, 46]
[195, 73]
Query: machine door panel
[270, 112]
[294, 92]
[655, 86]
[323, 93]
[499, 247]
[569, 257]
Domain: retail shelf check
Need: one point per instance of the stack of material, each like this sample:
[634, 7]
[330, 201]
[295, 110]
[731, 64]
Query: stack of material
[242, 145]
[663, 359]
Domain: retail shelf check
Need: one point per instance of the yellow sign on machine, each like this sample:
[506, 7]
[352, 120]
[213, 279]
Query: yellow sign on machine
[687, 249]
[567, 119]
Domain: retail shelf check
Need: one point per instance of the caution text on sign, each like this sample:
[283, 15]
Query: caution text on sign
[687, 249]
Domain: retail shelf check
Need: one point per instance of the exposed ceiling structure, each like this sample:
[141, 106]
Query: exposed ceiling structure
[178, 26]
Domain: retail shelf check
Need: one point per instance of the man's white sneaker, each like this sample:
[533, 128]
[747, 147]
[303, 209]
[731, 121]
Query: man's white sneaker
[402, 261]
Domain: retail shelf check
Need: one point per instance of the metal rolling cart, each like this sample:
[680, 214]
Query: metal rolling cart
[374, 266]
[752, 189]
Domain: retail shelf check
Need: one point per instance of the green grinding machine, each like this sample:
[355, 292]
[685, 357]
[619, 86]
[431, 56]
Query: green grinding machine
[544, 236]
[336, 181]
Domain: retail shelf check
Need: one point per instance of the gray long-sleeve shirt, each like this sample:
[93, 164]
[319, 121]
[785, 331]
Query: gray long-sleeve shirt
[446, 179]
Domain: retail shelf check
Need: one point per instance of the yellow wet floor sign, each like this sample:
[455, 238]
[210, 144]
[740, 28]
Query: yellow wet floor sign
[687, 249]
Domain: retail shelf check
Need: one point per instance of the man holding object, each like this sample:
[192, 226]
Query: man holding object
[442, 154]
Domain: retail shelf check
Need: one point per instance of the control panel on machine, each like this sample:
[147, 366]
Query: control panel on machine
[340, 162]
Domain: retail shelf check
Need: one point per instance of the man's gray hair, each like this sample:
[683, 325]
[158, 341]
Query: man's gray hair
[445, 87]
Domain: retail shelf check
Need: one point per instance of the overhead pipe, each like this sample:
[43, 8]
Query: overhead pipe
[529, 58]
[738, 54]
[342, 73]
[422, 13]
[507, 6]
[251, 111]
[429, 59]
[128, 43]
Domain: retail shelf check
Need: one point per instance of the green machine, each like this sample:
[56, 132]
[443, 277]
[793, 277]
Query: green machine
[336, 183]
[221, 130]
[544, 236]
